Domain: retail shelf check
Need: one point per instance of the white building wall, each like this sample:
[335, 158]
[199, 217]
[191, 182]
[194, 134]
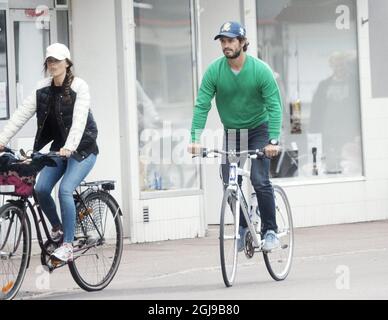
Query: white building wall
[93, 42]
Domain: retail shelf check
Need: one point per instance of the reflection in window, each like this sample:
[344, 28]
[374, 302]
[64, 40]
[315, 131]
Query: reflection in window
[312, 48]
[30, 45]
[4, 108]
[165, 93]
[63, 27]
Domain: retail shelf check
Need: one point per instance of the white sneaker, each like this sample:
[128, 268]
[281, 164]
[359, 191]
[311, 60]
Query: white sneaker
[271, 241]
[64, 252]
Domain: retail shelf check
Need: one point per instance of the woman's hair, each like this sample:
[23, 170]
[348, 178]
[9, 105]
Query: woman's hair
[241, 39]
[67, 81]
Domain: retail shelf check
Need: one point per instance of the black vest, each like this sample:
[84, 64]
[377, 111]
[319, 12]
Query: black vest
[64, 116]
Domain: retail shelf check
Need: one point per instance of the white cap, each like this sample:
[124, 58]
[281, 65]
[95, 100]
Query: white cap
[58, 51]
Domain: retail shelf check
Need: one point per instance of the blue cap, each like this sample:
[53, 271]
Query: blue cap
[231, 29]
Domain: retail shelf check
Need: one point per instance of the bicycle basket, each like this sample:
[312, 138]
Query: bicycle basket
[18, 177]
[15, 184]
[90, 218]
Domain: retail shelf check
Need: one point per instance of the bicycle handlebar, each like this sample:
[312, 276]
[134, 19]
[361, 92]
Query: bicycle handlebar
[258, 153]
[8, 150]
[51, 154]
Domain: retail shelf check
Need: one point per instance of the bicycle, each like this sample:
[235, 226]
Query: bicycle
[277, 261]
[98, 241]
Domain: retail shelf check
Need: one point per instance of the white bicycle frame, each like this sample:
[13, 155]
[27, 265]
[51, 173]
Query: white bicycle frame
[234, 173]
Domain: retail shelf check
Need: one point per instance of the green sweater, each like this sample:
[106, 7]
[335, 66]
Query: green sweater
[244, 101]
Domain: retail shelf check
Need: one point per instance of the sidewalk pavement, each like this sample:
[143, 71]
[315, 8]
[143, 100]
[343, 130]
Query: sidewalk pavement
[190, 269]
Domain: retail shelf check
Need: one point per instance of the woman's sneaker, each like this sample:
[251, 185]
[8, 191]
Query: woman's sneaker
[64, 253]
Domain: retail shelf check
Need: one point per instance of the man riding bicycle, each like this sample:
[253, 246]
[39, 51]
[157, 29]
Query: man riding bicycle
[249, 105]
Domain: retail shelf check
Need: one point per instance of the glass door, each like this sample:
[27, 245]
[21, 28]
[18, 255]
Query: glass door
[4, 105]
[32, 30]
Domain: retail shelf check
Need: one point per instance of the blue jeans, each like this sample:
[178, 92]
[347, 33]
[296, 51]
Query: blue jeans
[253, 139]
[73, 173]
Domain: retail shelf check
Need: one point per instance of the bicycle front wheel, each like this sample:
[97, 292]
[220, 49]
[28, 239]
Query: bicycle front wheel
[278, 261]
[98, 242]
[15, 249]
[228, 238]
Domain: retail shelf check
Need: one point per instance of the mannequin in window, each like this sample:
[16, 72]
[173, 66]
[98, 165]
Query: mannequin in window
[334, 103]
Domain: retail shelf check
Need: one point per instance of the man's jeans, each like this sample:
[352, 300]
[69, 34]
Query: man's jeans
[73, 173]
[253, 139]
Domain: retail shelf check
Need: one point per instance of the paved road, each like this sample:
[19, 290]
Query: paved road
[347, 261]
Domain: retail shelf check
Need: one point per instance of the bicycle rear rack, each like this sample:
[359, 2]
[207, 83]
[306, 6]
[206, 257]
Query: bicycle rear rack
[106, 185]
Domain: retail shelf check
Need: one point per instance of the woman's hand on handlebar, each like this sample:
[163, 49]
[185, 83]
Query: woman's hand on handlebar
[65, 153]
[3, 148]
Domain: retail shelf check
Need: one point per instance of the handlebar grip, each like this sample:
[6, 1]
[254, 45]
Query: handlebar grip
[6, 149]
[203, 152]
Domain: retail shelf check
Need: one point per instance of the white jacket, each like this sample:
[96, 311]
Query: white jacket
[28, 108]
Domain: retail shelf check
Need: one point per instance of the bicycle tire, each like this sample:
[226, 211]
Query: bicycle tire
[81, 277]
[278, 262]
[228, 238]
[9, 287]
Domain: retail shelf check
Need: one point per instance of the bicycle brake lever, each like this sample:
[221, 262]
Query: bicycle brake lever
[23, 154]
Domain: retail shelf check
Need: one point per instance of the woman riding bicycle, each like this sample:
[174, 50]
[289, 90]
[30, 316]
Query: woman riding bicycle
[62, 105]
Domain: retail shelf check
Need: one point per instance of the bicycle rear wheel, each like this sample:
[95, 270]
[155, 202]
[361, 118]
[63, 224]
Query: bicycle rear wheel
[278, 261]
[228, 238]
[15, 249]
[99, 234]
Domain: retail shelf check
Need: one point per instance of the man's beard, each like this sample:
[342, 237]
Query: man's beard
[234, 56]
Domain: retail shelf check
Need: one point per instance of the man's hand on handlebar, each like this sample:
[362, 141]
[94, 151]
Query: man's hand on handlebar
[271, 150]
[194, 148]
[2, 148]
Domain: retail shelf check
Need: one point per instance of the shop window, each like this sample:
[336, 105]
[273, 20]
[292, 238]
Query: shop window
[312, 48]
[165, 94]
[378, 25]
[4, 107]
[63, 27]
